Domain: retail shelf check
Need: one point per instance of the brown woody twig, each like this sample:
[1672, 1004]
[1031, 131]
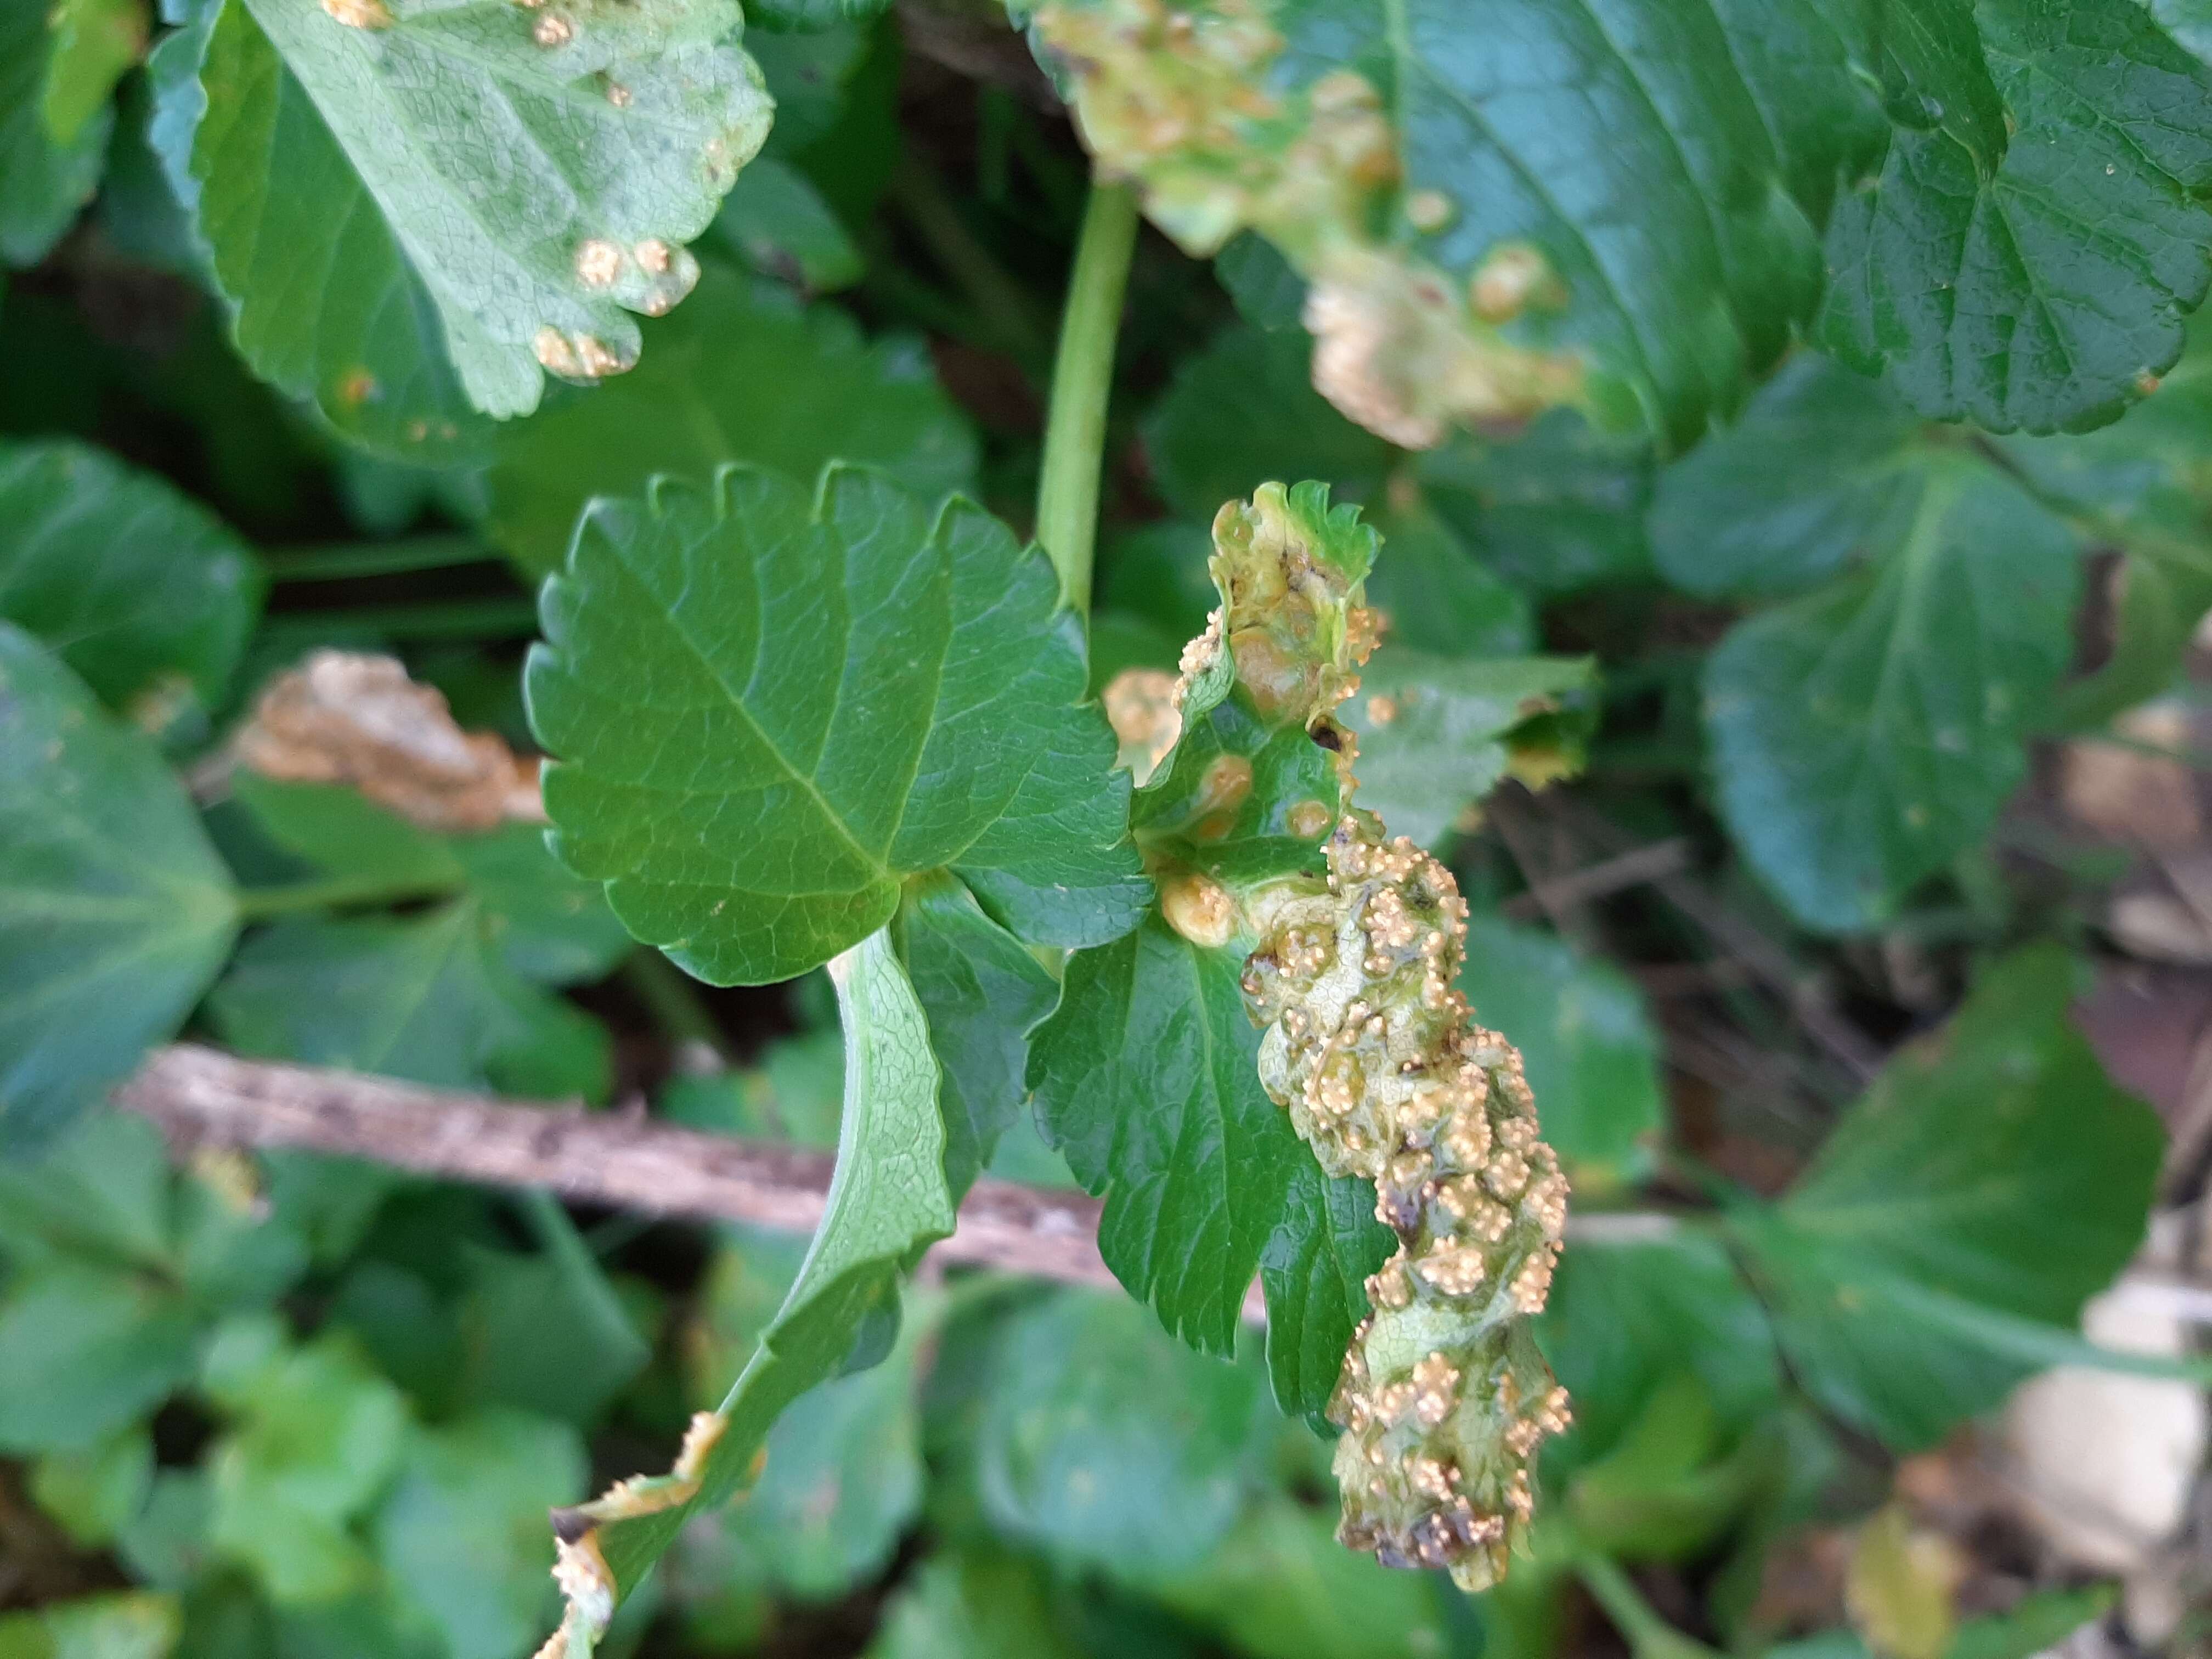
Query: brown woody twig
[203, 1097]
[200, 1097]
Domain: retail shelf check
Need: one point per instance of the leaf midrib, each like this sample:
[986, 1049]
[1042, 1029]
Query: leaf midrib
[674, 616]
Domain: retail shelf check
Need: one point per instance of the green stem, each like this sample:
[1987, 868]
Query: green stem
[1082, 382]
[332, 892]
[1649, 1635]
[400, 558]
[671, 997]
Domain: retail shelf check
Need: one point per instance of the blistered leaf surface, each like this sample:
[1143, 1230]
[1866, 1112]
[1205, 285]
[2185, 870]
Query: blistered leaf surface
[520, 181]
[1496, 210]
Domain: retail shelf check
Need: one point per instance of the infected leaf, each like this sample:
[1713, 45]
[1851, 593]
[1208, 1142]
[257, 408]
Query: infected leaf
[356, 718]
[1195, 103]
[888, 1201]
[484, 193]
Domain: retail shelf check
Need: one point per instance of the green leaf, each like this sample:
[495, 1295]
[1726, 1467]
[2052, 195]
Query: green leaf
[2023, 253]
[1617, 206]
[715, 387]
[366, 345]
[96, 44]
[118, 1625]
[1315, 1272]
[1145, 1079]
[462, 1535]
[971, 1605]
[426, 997]
[1866, 734]
[44, 180]
[772, 711]
[1106, 1445]
[1990, 1181]
[1281, 1587]
[86, 1350]
[548, 926]
[484, 191]
[93, 1491]
[844, 1475]
[317, 1435]
[1556, 510]
[777, 222]
[1591, 1054]
[114, 911]
[547, 1334]
[1437, 734]
[103, 1194]
[1625, 1313]
[139, 588]
[1244, 411]
[1820, 471]
[887, 1203]
[982, 990]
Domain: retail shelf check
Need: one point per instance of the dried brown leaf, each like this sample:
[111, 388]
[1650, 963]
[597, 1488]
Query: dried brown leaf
[356, 718]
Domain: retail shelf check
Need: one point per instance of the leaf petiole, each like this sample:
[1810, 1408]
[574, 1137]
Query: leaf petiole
[1082, 384]
[334, 892]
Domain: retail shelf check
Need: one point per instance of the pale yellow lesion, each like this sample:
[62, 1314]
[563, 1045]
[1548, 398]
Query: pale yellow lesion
[1186, 99]
[578, 356]
[359, 14]
[1378, 1060]
[587, 1585]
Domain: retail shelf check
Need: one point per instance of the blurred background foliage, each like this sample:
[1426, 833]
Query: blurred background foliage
[1848, 1061]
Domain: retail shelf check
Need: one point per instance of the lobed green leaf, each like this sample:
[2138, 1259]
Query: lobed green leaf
[1145, 1079]
[887, 1202]
[114, 911]
[770, 711]
[483, 192]
[140, 589]
[1943, 1243]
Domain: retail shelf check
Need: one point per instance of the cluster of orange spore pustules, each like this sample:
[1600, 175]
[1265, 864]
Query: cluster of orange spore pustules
[1444, 1397]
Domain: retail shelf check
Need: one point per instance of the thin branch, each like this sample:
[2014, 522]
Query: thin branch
[1801, 992]
[1600, 880]
[201, 1097]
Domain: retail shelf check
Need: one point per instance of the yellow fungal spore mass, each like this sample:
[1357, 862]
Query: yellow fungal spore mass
[1385, 1075]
